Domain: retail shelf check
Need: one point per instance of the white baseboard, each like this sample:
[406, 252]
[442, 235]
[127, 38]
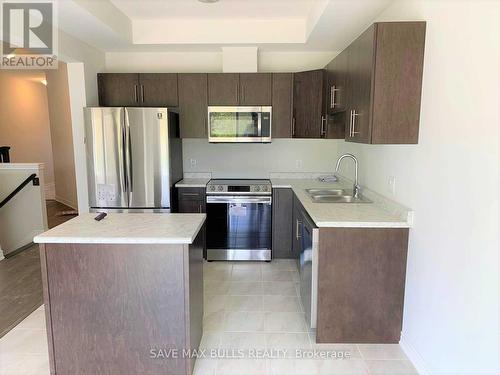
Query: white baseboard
[50, 190]
[27, 240]
[66, 202]
[414, 356]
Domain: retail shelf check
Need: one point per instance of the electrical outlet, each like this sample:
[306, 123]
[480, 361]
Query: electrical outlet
[298, 163]
[391, 184]
[193, 162]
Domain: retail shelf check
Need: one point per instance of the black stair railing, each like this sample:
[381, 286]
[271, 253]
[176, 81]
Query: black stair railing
[32, 177]
[4, 154]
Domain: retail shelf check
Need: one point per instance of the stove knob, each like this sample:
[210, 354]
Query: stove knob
[265, 188]
[220, 188]
[257, 188]
[212, 188]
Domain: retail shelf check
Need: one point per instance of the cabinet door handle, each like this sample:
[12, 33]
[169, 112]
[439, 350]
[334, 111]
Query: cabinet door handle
[323, 126]
[199, 208]
[142, 93]
[190, 194]
[293, 126]
[297, 224]
[333, 90]
[350, 124]
[136, 98]
[354, 114]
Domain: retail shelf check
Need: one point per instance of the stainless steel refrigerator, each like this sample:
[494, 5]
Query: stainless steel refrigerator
[134, 158]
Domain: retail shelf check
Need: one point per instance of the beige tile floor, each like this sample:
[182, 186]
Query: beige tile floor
[250, 308]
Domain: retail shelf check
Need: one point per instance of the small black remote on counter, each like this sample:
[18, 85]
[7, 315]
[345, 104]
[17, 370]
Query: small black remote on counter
[101, 216]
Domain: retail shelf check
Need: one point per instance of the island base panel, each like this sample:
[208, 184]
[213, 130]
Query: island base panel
[118, 309]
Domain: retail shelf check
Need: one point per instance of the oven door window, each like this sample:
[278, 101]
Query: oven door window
[239, 226]
[234, 124]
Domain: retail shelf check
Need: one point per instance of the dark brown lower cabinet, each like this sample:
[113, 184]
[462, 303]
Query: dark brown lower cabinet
[361, 283]
[120, 308]
[297, 221]
[191, 206]
[282, 223]
[192, 200]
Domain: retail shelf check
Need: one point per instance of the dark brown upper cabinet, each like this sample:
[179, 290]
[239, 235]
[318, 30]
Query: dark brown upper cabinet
[282, 102]
[336, 126]
[384, 84]
[193, 101]
[223, 89]
[137, 89]
[337, 83]
[118, 89]
[336, 96]
[255, 89]
[360, 56]
[239, 88]
[158, 89]
[309, 117]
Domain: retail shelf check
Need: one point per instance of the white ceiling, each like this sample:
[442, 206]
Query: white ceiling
[224, 9]
[180, 25]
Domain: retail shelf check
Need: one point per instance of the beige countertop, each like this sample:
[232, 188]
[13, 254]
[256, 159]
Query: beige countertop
[193, 182]
[382, 213]
[127, 228]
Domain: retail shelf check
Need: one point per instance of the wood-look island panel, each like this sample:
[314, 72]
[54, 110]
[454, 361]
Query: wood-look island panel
[361, 281]
[109, 305]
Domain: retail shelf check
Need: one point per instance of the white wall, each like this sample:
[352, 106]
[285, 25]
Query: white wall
[24, 121]
[210, 61]
[451, 180]
[256, 160]
[61, 135]
[76, 88]
[83, 64]
[74, 50]
[25, 215]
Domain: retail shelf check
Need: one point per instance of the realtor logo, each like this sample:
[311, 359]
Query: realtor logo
[28, 35]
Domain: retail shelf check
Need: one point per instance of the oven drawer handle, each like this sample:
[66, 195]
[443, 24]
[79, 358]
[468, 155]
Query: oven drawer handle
[266, 200]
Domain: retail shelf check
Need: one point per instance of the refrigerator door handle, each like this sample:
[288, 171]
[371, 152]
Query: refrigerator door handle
[128, 159]
[124, 155]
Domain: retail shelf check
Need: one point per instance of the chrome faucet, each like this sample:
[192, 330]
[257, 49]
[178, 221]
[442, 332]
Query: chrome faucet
[356, 188]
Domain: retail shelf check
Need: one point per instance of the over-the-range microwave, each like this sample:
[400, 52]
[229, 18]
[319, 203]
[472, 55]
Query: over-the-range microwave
[239, 124]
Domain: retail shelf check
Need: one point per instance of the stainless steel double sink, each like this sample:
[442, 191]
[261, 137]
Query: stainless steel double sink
[335, 196]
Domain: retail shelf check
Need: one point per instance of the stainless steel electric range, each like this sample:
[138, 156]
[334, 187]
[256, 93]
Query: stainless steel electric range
[239, 220]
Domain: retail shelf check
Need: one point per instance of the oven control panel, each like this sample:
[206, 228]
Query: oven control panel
[216, 188]
[262, 187]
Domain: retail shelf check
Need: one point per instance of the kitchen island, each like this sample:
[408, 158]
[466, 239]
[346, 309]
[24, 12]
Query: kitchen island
[123, 295]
